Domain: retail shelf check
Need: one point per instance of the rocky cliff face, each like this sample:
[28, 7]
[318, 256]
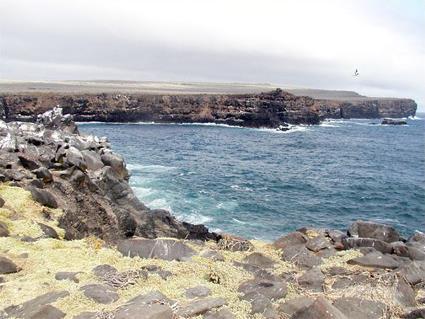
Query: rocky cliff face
[251, 110]
[81, 174]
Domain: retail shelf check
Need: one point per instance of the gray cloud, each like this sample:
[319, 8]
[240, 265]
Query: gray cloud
[60, 40]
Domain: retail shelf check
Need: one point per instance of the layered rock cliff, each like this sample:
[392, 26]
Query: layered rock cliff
[81, 174]
[251, 110]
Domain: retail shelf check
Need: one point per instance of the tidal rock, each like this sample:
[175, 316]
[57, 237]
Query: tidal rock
[44, 197]
[356, 308]
[66, 275]
[375, 260]
[198, 291]
[7, 266]
[293, 305]
[100, 293]
[31, 307]
[312, 279]
[377, 244]
[4, 231]
[292, 239]
[259, 260]
[48, 312]
[167, 249]
[368, 229]
[199, 307]
[153, 305]
[319, 309]
[393, 122]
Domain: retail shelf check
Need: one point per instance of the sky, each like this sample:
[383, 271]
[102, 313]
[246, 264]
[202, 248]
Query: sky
[298, 43]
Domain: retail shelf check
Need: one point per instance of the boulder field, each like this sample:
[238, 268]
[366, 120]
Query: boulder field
[76, 243]
[270, 109]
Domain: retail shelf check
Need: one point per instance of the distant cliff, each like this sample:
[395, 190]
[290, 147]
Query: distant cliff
[269, 109]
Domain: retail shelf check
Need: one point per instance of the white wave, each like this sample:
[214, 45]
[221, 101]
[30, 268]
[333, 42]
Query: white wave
[143, 192]
[194, 218]
[415, 118]
[159, 203]
[329, 124]
[149, 168]
[293, 129]
[237, 187]
[238, 221]
[216, 230]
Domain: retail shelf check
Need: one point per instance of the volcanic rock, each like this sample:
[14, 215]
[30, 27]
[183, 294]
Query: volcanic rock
[368, 229]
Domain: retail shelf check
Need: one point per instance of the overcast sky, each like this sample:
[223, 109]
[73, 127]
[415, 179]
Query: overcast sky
[316, 43]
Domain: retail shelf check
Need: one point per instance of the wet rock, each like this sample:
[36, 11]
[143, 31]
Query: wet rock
[104, 270]
[259, 260]
[31, 307]
[49, 232]
[292, 239]
[404, 293]
[222, 313]
[199, 307]
[48, 312]
[44, 197]
[293, 305]
[44, 174]
[319, 309]
[7, 266]
[393, 122]
[376, 260]
[301, 256]
[378, 245]
[318, 243]
[100, 293]
[198, 291]
[356, 308]
[4, 231]
[153, 305]
[368, 229]
[66, 275]
[233, 243]
[413, 272]
[166, 249]
[312, 279]
[212, 254]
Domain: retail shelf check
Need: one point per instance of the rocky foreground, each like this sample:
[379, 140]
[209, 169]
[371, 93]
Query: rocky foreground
[270, 109]
[76, 243]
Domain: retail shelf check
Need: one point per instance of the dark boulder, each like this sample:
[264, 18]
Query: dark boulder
[393, 122]
[48, 312]
[4, 231]
[356, 308]
[49, 232]
[44, 174]
[292, 239]
[291, 306]
[301, 256]
[259, 260]
[44, 197]
[198, 291]
[7, 266]
[319, 309]
[368, 229]
[375, 260]
[318, 243]
[100, 293]
[199, 307]
[377, 244]
[312, 280]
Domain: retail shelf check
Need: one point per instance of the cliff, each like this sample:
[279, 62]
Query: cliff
[269, 109]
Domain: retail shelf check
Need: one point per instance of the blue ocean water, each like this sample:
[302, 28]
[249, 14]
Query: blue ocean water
[260, 183]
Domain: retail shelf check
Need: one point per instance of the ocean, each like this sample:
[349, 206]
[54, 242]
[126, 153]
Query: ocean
[260, 183]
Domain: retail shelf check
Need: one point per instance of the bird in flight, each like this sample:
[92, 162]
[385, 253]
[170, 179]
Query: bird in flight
[356, 73]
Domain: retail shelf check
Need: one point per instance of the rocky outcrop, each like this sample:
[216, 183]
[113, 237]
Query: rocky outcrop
[81, 175]
[272, 109]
